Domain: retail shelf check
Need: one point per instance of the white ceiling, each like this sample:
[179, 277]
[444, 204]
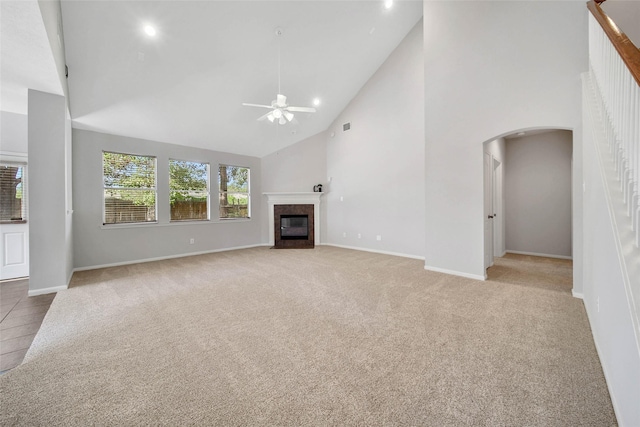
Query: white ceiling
[26, 60]
[186, 85]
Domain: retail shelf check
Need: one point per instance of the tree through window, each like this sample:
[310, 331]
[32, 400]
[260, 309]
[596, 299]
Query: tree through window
[189, 190]
[234, 192]
[129, 188]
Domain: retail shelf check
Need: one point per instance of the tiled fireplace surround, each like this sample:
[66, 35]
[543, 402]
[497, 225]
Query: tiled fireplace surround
[274, 199]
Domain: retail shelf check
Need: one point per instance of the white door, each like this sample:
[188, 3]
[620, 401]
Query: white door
[498, 214]
[14, 251]
[488, 211]
[14, 228]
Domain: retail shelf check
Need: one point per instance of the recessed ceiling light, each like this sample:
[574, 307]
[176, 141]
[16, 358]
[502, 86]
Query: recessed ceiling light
[388, 4]
[150, 30]
[316, 101]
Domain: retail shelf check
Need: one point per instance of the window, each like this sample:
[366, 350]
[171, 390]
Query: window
[189, 190]
[13, 206]
[129, 188]
[234, 192]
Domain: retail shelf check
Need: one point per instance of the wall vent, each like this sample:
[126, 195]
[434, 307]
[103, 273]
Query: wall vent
[346, 127]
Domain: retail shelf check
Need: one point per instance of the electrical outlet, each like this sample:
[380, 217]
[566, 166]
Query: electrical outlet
[192, 241]
[378, 237]
[344, 234]
[598, 304]
[342, 198]
[359, 236]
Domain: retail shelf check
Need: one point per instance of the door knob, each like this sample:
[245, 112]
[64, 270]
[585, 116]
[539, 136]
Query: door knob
[490, 216]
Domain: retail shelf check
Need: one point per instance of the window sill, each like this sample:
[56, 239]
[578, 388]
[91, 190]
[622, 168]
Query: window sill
[15, 221]
[171, 223]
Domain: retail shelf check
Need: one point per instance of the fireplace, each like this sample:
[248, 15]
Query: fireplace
[296, 198]
[293, 226]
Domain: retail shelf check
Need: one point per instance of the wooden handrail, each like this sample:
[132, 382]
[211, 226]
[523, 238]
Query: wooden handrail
[629, 53]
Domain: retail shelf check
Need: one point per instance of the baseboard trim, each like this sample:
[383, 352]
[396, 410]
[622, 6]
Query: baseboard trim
[578, 295]
[44, 291]
[355, 248]
[455, 273]
[539, 254]
[140, 261]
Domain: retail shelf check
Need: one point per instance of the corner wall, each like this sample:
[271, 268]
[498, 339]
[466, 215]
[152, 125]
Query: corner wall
[49, 220]
[372, 174]
[296, 168]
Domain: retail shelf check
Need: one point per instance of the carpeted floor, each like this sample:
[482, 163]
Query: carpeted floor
[311, 337]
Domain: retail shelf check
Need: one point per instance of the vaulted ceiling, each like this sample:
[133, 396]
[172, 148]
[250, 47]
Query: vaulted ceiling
[26, 60]
[186, 85]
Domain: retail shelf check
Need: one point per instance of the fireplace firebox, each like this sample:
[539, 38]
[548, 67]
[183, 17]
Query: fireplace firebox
[293, 226]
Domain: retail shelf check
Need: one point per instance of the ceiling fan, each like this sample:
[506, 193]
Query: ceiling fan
[280, 110]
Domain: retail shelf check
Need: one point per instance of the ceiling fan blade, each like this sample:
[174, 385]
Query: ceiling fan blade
[256, 105]
[261, 118]
[281, 100]
[302, 109]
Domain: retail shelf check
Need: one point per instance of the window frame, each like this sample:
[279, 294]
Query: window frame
[155, 191]
[208, 190]
[248, 193]
[10, 161]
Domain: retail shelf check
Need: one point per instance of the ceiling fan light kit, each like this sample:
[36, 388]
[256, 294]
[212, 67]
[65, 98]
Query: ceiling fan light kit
[280, 112]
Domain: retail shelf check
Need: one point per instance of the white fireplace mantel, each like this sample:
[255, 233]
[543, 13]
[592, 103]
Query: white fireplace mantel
[294, 199]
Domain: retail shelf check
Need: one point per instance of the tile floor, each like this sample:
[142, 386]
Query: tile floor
[20, 319]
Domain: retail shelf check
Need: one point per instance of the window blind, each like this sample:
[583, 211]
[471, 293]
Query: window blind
[129, 188]
[13, 191]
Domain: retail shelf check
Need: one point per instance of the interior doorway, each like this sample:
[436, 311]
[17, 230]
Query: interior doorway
[528, 194]
[493, 220]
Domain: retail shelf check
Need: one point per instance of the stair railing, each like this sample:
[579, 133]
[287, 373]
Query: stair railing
[614, 63]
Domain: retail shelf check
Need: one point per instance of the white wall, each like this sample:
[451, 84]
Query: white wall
[377, 166]
[13, 132]
[626, 15]
[98, 245]
[538, 194]
[49, 243]
[491, 68]
[297, 168]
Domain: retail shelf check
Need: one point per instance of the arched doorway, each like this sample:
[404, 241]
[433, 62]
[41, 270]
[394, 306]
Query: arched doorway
[527, 194]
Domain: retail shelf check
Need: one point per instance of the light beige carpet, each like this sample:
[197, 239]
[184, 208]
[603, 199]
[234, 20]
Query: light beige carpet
[311, 337]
